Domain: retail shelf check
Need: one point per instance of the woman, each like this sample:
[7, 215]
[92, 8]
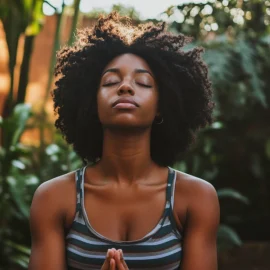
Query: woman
[130, 101]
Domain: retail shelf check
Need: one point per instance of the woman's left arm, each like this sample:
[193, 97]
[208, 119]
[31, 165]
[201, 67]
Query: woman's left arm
[200, 232]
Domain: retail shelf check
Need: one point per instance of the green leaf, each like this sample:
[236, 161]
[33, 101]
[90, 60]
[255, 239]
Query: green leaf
[15, 124]
[217, 125]
[31, 180]
[37, 19]
[18, 247]
[17, 190]
[19, 253]
[18, 164]
[52, 149]
[231, 193]
[21, 260]
[227, 237]
[33, 29]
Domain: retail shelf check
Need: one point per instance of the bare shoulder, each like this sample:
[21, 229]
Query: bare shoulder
[196, 197]
[57, 194]
[57, 186]
[194, 187]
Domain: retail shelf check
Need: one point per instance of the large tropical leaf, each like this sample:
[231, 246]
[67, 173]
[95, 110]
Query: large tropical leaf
[232, 194]
[227, 238]
[15, 125]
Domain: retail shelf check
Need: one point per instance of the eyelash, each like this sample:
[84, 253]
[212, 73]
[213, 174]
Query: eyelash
[110, 84]
[144, 85]
[141, 84]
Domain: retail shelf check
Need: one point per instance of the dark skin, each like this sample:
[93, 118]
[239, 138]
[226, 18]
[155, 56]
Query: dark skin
[125, 173]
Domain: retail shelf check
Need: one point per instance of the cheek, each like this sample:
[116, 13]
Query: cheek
[101, 104]
[152, 104]
[148, 109]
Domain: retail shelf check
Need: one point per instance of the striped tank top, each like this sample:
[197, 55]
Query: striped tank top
[160, 249]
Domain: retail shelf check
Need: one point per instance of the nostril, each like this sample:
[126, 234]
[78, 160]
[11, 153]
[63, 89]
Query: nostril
[125, 89]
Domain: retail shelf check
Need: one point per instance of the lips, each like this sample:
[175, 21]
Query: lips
[125, 102]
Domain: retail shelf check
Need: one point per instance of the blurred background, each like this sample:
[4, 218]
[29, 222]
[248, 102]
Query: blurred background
[233, 153]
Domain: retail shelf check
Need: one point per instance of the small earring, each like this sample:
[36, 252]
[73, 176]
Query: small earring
[159, 123]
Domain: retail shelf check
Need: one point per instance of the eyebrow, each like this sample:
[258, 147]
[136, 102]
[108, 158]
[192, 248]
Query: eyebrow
[117, 70]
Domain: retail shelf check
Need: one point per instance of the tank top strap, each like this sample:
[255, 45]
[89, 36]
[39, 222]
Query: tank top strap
[79, 188]
[168, 195]
[170, 187]
[170, 198]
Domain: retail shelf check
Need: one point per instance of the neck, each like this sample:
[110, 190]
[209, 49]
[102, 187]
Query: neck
[126, 155]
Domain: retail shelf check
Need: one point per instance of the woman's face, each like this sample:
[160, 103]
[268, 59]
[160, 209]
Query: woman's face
[127, 96]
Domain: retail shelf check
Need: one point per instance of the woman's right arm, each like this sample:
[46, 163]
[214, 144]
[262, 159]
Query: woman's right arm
[47, 218]
[47, 229]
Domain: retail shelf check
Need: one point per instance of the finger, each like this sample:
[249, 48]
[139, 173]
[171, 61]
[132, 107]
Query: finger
[120, 262]
[123, 260]
[113, 251]
[112, 264]
[106, 264]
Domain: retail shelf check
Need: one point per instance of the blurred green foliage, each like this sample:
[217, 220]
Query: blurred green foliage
[123, 10]
[233, 153]
[20, 174]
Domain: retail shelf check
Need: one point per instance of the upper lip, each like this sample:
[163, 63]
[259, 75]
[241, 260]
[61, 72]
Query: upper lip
[125, 100]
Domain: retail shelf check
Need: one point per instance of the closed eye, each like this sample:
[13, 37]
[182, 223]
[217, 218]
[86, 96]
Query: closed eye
[110, 83]
[144, 85]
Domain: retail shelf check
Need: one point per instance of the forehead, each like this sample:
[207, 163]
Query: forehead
[129, 61]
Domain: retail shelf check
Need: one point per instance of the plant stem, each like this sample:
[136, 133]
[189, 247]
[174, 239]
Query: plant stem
[12, 31]
[23, 81]
[56, 46]
[74, 21]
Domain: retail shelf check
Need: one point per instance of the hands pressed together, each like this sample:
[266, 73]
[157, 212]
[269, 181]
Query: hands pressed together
[114, 260]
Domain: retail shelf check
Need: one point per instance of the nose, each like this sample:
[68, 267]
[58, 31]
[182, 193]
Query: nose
[125, 88]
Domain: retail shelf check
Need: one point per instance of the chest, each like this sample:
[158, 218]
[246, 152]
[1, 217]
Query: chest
[124, 214]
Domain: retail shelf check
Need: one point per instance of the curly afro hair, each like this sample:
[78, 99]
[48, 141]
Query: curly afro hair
[185, 94]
